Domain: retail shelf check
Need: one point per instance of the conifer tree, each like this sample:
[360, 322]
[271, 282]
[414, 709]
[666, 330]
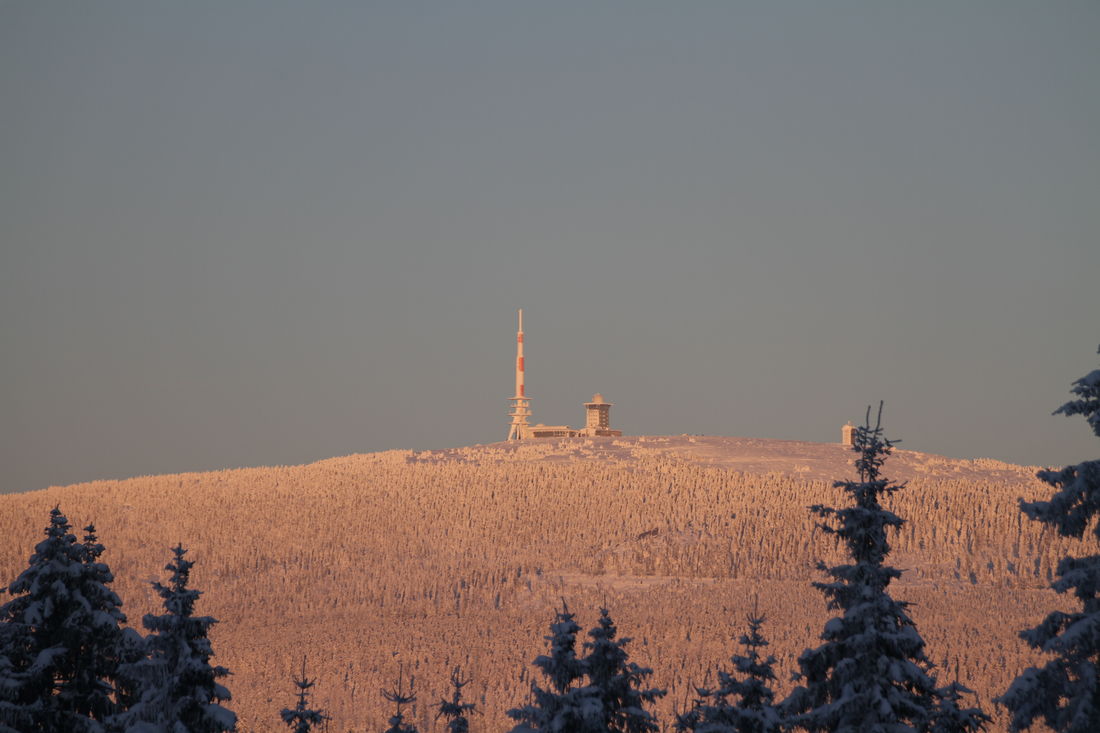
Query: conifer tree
[950, 718]
[177, 689]
[743, 702]
[98, 660]
[566, 706]
[399, 697]
[871, 674]
[302, 717]
[454, 710]
[691, 718]
[131, 650]
[615, 681]
[15, 644]
[61, 636]
[1065, 693]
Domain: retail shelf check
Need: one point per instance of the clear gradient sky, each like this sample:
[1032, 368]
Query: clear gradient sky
[255, 233]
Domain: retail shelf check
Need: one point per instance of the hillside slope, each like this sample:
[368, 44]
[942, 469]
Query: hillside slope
[427, 560]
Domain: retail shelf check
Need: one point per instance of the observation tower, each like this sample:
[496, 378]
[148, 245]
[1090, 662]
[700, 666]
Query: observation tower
[597, 415]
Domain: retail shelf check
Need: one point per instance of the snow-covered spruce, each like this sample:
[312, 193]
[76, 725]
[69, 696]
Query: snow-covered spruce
[454, 710]
[61, 635]
[1065, 693]
[871, 673]
[131, 650]
[175, 688]
[950, 718]
[565, 706]
[598, 693]
[13, 716]
[743, 702]
[19, 705]
[691, 718]
[302, 718]
[617, 681]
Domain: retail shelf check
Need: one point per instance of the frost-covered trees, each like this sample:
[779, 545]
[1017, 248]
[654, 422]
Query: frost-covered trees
[454, 710]
[616, 681]
[610, 701]
[131, 650]
[743, 702]
[60, 636]
[302, 718]
[871, 674]
[98, 660]
[67, 666]
[1065, 693]
[176, 687]
[15, 648]
[565, 705]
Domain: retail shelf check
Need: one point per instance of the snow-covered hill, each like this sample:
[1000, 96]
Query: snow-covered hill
[429, 559]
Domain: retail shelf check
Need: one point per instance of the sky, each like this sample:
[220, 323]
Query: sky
[262, 233]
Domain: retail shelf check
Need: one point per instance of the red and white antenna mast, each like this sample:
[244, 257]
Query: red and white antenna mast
[521, 406]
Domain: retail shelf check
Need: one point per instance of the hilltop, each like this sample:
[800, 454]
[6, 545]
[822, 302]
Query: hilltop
[827, 461]
[429, 559]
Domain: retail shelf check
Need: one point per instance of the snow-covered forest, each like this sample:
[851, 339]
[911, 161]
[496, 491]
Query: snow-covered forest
[499, 585]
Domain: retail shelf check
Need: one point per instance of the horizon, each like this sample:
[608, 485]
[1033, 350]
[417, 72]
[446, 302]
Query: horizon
[264, 234]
